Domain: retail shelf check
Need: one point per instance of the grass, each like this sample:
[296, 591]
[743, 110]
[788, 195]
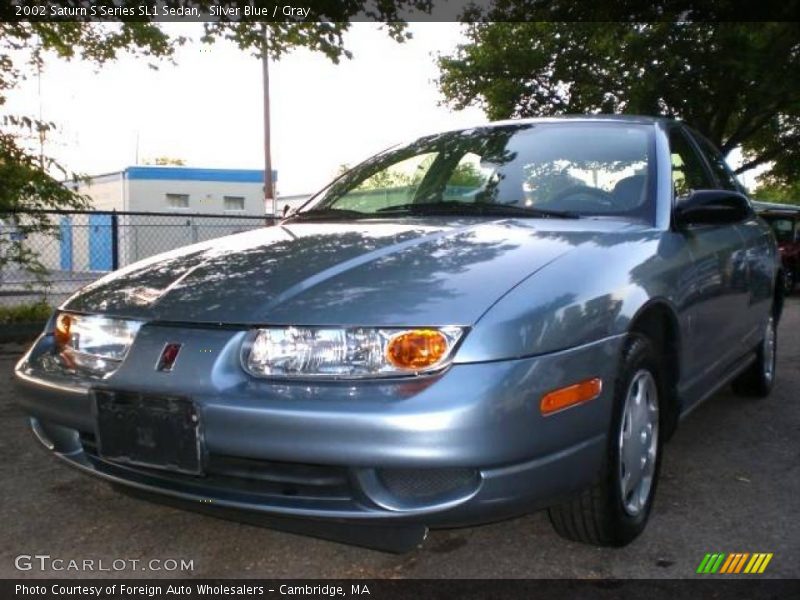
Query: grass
[34, 312]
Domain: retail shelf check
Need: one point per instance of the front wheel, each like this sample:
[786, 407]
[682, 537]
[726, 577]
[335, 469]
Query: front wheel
[615, 510]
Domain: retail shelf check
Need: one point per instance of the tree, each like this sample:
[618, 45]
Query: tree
[778, 191]
[321, 30]
[386, 179]
[737, 83]
[32, 181]
[466, 175]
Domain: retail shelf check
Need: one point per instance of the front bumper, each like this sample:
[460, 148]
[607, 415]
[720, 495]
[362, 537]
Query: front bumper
[466, 446]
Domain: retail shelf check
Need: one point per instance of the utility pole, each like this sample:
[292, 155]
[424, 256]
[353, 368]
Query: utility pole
[40, 125]
[269, 187]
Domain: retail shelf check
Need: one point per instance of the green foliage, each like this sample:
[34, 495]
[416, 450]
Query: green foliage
[737, 83]
[463, 175]
[29, 181]
[36, 312]
[406, 173]
[777, 191]
[386, 179]
[466, 175]
[23, 45]
[25, 184]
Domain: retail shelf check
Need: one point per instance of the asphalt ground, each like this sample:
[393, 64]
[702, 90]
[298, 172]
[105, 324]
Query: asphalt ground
[730, 483]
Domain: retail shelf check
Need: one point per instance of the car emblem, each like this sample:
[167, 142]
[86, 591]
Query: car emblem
[168, 357]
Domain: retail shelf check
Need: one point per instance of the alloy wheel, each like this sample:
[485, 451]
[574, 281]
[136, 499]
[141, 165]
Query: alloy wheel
[638, 442]
[769, 351]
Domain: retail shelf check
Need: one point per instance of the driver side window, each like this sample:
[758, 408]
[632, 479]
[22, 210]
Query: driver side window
[688, 171]
[717, 162]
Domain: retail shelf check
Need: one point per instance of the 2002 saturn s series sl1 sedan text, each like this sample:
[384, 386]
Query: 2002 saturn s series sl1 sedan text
[475, 325]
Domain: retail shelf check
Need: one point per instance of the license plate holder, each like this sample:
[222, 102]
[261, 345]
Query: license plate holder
[156, 431]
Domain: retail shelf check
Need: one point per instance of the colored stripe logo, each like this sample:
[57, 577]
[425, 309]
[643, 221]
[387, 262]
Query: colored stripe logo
[734, 563]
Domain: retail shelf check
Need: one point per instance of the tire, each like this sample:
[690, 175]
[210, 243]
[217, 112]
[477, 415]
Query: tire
[758, 379]
[604, 515]
[789, 282]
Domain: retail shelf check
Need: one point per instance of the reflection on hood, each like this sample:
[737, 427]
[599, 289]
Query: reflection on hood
[409, 272]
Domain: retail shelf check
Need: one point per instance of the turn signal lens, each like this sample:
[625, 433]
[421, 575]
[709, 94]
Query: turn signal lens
[417, 349]
[571, 395]
[62, 330]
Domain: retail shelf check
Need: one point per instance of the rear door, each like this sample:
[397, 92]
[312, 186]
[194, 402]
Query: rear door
[716, 295]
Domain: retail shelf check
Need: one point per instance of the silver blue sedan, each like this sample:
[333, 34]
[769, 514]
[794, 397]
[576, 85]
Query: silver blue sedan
[476, 325]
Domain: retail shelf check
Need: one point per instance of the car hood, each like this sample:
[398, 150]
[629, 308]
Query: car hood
[405, 272]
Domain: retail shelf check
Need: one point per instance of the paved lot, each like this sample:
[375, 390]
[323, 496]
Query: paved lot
[730, 483]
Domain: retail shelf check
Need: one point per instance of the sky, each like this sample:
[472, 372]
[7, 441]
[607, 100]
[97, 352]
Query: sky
[207, 110]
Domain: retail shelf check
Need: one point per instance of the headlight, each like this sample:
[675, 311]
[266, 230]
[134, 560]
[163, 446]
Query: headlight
[93, 344]
[348, 353]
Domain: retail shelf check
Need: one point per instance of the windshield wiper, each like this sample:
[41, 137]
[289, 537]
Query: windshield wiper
[475, 208]
[433, 209]
[327, 214]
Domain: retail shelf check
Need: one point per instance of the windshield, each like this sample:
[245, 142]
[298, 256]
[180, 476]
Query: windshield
[543, 169]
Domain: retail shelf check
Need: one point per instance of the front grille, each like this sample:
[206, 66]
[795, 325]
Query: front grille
[254, 477]
[428, 484]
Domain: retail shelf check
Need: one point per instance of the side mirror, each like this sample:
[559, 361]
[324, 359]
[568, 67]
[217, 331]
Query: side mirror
[712, 207]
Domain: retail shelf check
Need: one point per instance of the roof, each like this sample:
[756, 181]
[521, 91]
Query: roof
[177, 173]
[775, 207]
[642, 119]
[195, 174]
[599, 118]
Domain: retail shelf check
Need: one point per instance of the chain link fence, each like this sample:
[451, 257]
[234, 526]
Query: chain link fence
[50, 254]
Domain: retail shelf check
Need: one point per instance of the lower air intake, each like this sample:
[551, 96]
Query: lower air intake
[424, 485]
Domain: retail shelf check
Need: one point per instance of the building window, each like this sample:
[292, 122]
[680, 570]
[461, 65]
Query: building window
[178, 200]
[234, 203]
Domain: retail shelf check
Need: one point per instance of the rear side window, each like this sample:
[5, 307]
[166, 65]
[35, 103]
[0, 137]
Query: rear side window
[727, 180]
[786, 229]
[688, 171]
[783, 229]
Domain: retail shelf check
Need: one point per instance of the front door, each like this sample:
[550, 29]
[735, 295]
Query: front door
[716, 283]
[757, 242]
